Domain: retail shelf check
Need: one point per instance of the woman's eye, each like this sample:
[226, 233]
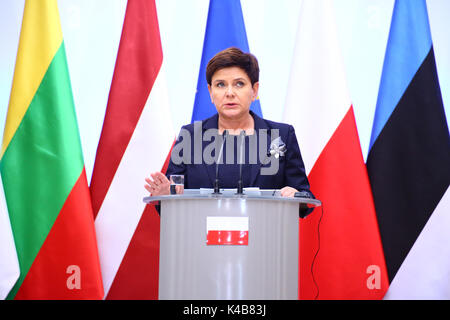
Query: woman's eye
[220, 85]
[240, 84]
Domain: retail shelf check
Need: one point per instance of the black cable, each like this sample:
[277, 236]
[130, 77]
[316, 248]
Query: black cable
[315, 256]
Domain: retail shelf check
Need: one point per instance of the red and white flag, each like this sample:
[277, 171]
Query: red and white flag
[227, 231]
[341, 256]
[136, 139]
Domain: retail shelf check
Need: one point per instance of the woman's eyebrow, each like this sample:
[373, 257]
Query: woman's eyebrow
[235, 79]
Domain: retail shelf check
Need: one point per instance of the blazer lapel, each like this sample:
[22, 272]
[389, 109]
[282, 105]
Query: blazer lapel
[210, 168]
[210, 123]
[256, 169]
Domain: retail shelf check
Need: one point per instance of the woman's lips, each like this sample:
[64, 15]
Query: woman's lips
[231, 105]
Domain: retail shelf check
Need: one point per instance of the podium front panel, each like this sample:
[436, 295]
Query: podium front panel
[266, 268]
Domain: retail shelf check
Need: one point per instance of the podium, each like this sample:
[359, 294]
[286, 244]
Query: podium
[237, 247]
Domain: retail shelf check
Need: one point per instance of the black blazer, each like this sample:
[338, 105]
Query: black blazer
[291, 170]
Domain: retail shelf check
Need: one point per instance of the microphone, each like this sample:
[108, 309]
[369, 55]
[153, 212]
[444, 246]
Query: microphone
[240, 189]
[216, 182]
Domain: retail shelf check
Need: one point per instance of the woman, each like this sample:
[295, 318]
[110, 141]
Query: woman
[232, 78]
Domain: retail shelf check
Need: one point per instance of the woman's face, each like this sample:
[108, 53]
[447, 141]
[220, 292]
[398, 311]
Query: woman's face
[232, 92]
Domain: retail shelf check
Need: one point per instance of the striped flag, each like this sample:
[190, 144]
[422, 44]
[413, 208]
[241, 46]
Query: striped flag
[341, 255]
[9, 265]
[43, 171]
[225, 28]
[227, 231]
[136, 139]
[409, 161]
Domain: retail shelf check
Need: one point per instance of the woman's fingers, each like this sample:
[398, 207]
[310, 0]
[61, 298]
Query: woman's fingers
[160, 178]
[288, 192]
[151, 185]
[179, 189]
[157, 184]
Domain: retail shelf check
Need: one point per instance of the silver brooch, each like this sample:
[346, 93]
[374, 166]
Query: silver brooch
[277, 148]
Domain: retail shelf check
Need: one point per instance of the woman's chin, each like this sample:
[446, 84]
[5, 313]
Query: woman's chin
[231, 113]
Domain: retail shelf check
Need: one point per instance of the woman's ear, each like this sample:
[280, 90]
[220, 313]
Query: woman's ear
[255, 90]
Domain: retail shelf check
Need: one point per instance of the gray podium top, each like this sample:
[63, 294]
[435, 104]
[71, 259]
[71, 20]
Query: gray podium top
[263, 266]
[264, 195]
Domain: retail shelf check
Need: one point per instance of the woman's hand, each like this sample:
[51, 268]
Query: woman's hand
[158, 184]
[288, 192]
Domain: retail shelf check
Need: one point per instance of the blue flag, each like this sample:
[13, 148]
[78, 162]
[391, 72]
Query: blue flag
[225, 28]
[409, 157]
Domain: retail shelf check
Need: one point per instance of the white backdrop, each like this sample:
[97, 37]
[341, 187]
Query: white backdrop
[92, 29]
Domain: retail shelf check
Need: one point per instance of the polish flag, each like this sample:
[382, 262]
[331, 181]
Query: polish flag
[136, 139]
[341, 256]
[227, 231]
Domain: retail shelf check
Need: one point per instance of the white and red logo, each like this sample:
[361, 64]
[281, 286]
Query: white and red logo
[227, 231]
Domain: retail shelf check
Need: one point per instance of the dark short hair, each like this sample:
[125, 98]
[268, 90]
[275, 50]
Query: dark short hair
[233, 57]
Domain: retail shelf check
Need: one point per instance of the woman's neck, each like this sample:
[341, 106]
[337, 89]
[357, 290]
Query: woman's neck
[235, 126]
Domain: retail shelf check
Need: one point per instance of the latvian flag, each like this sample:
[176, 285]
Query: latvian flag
[136, 140]
[409, 161]
[341, 255]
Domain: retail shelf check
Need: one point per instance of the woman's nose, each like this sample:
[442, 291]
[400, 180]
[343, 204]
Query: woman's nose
[229, 91]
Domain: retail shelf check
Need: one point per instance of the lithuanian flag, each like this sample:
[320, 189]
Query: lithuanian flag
[42, 168]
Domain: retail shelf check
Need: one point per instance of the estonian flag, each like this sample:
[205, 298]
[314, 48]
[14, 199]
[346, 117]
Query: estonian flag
[225, 28]
[409, 161]
[341, 255]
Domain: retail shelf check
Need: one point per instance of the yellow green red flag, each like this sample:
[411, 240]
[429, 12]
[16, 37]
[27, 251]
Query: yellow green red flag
[42, 168]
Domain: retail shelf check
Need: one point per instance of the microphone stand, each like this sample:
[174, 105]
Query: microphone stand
[216, 182]
[240, 188]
